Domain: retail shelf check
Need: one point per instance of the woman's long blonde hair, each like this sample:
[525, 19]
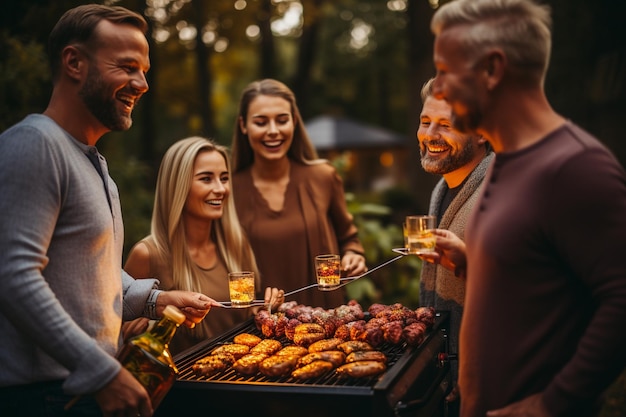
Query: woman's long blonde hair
[173, 185]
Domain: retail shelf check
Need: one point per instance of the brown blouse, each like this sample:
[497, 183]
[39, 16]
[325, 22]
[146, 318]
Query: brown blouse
[215, 285]
[314, 220]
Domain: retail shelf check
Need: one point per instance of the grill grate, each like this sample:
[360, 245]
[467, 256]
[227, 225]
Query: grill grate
[393, 352]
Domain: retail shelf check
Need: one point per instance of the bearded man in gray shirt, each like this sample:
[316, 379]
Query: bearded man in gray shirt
[63, 294]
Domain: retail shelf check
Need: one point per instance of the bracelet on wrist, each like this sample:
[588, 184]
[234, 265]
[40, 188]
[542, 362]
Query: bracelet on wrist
[150, 308]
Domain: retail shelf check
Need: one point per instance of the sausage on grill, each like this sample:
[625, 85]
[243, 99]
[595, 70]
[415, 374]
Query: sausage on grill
[325, 344]
[312, 370]
[234, 349]
[366, 355]
[335, 357]
[353, 346]
[267, 347]
[213, 364]
[361, 369]
[278, 365]
[249, 364]
[293, 350]
[247, 339]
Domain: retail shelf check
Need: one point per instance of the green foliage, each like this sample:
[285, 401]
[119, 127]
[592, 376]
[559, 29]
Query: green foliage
[136, 194]
[380, 232]
[397, 282]
[23, 74]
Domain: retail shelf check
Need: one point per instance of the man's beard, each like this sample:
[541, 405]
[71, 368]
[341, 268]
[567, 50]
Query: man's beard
[94, 95]
[450, 163]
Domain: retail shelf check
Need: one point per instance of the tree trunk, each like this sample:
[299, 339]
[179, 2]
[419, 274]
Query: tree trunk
[205, 75]
[421, 68]
[267, 50]
[306, 52]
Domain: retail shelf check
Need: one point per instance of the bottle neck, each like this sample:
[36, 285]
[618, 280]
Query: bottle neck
[164, 330]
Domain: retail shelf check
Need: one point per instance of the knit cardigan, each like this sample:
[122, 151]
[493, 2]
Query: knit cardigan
[439, 287]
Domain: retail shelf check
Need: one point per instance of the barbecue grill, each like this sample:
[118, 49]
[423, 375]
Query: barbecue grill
[415, 383]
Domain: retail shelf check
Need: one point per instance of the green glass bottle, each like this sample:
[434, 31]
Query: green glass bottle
[148, 358]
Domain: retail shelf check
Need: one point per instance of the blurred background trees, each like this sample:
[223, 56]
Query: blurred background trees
[363, 59]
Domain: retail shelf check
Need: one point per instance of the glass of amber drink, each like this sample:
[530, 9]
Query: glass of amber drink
[241, 287]
[328, 271]
[420, 238]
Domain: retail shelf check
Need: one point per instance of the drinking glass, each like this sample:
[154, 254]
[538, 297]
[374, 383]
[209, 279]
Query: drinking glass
[241, 287]
[328, 271]
[420, 238]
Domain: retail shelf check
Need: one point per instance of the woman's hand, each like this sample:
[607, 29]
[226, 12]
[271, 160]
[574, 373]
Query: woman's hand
[353, 264]
[273, 298]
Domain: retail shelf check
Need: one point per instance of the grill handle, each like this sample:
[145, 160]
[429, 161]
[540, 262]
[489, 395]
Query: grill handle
[402, 407]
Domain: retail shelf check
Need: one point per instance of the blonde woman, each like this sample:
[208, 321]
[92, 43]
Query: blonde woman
[290, 203]
[196, 238]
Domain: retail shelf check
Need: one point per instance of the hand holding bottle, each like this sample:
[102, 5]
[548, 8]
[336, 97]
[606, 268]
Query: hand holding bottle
[124, 395]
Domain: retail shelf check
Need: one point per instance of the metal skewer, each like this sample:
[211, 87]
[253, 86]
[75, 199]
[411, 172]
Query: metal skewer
[347, 280]
[287, 294]
[253, 303]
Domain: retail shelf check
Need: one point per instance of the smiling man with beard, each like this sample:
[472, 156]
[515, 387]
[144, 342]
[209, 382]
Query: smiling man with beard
[462, 159]
[63, 293]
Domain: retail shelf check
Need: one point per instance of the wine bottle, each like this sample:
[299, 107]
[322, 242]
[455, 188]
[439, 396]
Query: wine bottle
[148, 358]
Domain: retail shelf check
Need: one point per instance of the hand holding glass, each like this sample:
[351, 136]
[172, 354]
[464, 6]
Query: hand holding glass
[328, 271]
[241, 287]
[420, 238]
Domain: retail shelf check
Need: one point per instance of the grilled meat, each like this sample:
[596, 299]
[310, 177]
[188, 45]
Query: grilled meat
[335, 357]
[213, 363]
[312, 370]
[392, 331]
[354, 346]
[361, 369]
[306, 339]
[234, 349]
[426, 315]
[249, 364]
[276, 365]
[293, 350]
[267, 347]
[366, 355]
[306, 334]
[414, 333]
[247, 339]
[325, 344]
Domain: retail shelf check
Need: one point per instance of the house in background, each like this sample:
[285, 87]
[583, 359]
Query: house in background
[374, 159]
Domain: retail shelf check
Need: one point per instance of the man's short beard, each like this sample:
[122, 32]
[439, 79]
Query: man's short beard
[450, 163]
[104, 109]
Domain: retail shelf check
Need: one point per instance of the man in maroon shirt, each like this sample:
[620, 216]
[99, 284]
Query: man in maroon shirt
[542, 331]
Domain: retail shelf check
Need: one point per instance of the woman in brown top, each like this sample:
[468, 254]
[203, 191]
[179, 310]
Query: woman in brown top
[196, 238]
[290, 203]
